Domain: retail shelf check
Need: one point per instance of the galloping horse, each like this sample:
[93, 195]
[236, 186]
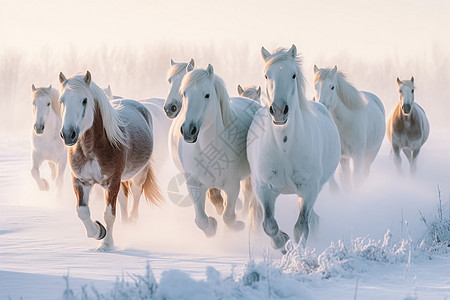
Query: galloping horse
[294, 147]
[359, 117]
[408, 126]
[211, 143]
[45, 137]
[107, 145]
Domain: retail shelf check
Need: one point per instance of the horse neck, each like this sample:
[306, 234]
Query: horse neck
[341, 112]
[212, 124]
[95, 136]
[53, 123]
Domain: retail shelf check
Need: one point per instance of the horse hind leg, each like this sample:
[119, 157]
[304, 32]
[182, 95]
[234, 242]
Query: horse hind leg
[251, 204]
[53, 170]
[123, 200]
[413, 165]
[137, 184]
[216, 199]
[36, 163]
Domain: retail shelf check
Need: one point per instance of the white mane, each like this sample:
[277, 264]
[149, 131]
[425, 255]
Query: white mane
[110, 117]
[175, 69]
[283, 54]
[349, 95]
[198, 76]
[53, 94]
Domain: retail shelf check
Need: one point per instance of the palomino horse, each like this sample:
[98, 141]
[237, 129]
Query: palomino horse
[212, 143]
[359, 117]
[252, 92]
[408, 126]
[294, 147]
[172, 107]
[45, 140]
[107, 146]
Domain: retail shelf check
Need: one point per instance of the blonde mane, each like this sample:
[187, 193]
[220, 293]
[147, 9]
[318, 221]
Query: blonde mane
[175, 69]
[110, 117]
[349, 95]
[281, 54]
[53, 94]
[198, 76]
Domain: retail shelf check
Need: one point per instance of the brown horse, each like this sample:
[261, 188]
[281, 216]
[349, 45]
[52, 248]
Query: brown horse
[408, 126]
[107, 145]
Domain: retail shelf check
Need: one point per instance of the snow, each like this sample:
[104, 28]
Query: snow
[367, 243]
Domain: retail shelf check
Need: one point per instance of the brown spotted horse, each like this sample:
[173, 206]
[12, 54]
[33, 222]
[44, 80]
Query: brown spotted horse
[107, 145]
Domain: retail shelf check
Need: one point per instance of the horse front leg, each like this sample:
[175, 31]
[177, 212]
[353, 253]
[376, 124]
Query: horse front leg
[197, 191]
[397, 158]
[229, 215]
[413, 165]
[36, 164]
[61, 163]
[110, 213]
[301, 227]
[267, 199]
[93, 230]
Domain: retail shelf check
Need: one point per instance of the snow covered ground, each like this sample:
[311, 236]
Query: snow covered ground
[42, 240]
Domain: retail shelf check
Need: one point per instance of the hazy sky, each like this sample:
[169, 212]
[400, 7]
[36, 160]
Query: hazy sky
[366, 29]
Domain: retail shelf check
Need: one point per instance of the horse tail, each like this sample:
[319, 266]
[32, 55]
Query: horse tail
[151, 189]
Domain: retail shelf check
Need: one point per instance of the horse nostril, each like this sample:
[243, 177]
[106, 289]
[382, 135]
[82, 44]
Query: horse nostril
[42, 128]
[271, 110]
[61, 134]
[193, 130]
[72, 135]
[173, 108]
[181, 130]
[286, 109]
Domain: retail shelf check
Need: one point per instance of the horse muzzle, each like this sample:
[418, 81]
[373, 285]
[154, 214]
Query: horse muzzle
[171, 110]
[279, 116]
[39, 128]
[406, 108]
[190, 133]
[70, 136]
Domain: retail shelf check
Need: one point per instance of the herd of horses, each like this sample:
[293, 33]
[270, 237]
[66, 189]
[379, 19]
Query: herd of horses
[289, 145]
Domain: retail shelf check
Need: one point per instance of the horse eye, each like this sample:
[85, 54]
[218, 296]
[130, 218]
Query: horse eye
[294, 76]
[85, 101]
[332, 87]
[265, 76]
[48, 104]
[207, 96]
[412, 91]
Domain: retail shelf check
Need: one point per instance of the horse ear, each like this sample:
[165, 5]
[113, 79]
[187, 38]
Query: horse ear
[265, 54]
[62, 78]
[210, 71]
[259, 91]
[412, 79]
[33, 88]
[172, 62]
[316, 69]
[191, 62]
[189, 67]
[399, 81]
[49, 87]
[87, 77]
[334, 71]
[240, 90]
[293, 51]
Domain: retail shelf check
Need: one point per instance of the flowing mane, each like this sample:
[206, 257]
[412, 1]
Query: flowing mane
[175, 69]
[281, 54]
[200, 75]
[110, 117]
[349, 95]
[53, 94]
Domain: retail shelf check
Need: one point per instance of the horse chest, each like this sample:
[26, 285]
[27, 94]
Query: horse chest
[407, 133]
[89, 171]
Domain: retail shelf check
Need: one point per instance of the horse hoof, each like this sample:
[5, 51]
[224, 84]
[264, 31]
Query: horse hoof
[236, 225]
[44, 186]
[102, 234]
[280, 241]
[105, 248]
[212, 228]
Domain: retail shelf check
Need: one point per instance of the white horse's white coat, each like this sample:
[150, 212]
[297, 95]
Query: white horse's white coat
[46, 143]
[359, 117]
[211, 151]
[294, 147]
[408, 126]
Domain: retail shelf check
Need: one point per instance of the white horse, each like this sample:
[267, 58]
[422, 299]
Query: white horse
[212, 143]
[252, 92]
[46, 142]
[359, 117]
[294, 147]
[408, 126]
